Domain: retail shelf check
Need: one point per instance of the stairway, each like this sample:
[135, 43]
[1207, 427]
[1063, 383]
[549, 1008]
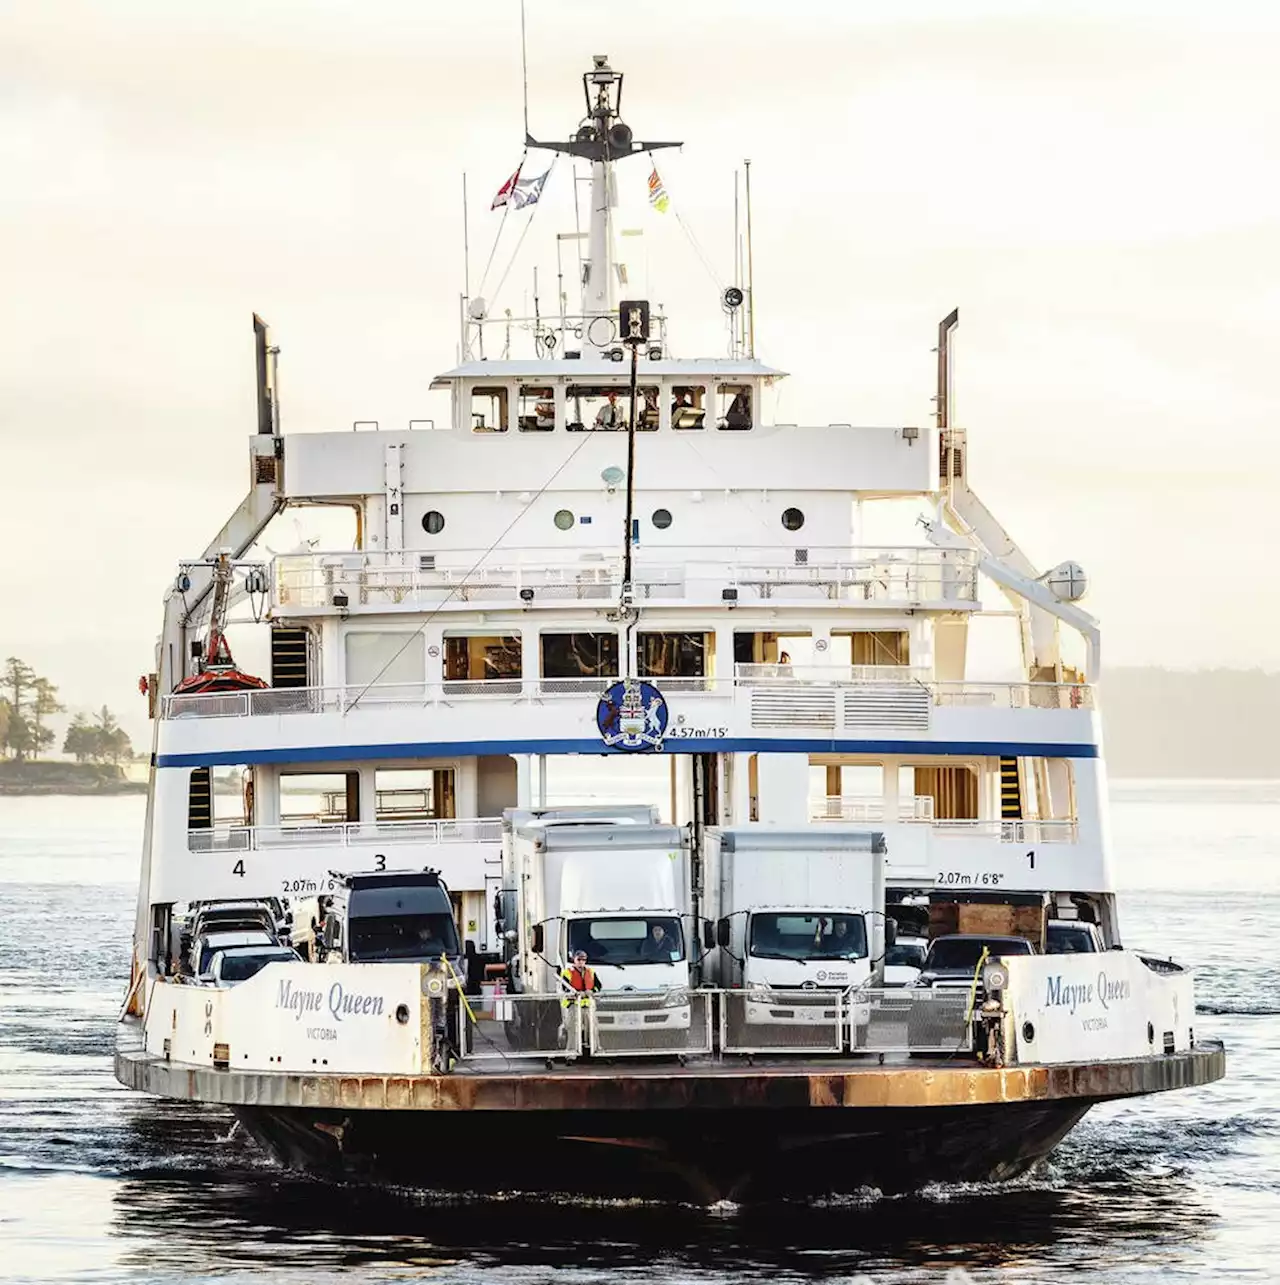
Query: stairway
[200, 799]
[1010, 789]
[288, 656]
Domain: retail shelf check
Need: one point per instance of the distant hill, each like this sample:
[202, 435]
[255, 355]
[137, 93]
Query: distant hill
[1204, 723]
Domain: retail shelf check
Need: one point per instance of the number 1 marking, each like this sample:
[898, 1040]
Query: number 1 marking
[1031, 857]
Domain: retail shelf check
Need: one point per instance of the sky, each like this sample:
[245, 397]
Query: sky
[1093, 185]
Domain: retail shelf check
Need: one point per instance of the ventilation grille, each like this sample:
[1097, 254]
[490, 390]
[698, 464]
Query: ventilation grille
[813, 707]
[426, 562]
[288, 656]
[884, 708]
[802, 557]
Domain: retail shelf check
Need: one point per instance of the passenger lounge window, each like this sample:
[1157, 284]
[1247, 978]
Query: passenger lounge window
[537, 408]
[483, 660]
[488, 409]
[675, 655]
[579, 656]
[733, 406]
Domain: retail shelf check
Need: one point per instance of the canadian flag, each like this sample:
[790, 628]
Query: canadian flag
[505, 191]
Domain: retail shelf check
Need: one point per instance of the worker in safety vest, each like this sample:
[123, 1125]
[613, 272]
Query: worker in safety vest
[580, 977]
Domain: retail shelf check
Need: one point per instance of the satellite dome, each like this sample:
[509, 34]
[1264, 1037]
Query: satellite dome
[1068, 582]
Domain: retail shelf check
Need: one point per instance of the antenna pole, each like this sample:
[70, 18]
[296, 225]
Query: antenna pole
[466, 241]
[751, 276]
[524, 68]
[734, 323]
[631, 467]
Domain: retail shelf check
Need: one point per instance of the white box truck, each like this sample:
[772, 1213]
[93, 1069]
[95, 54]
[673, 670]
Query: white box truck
[797, 910]
[619, 890]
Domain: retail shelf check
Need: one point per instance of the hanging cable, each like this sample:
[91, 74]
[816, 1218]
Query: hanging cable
[479, 562]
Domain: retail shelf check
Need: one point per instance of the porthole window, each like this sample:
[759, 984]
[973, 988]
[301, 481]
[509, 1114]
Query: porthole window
[792, 519]
[662, 518]
[433, 521]
[564, 519]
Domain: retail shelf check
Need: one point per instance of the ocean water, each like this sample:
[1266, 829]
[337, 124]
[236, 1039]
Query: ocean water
[100, 1184]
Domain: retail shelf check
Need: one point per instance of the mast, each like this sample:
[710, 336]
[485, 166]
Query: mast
[603, 139]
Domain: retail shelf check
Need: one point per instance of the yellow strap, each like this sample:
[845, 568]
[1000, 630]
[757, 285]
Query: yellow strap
[462, 994]
[973, 989]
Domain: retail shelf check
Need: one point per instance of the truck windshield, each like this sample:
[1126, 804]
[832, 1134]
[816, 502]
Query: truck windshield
[402, 937]
[1070, 939]
[783, 936]
[649, 940]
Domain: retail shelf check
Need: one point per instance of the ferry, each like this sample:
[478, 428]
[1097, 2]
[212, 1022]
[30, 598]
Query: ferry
[844, 915]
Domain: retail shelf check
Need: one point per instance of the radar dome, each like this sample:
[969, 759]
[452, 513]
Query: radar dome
[1068, 582]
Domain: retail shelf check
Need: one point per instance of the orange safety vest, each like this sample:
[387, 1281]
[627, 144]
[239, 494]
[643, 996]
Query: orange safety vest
[580, 981]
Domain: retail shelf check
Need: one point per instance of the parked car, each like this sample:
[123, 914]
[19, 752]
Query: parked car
[951, 961]
[902, 961]
[1072, 937]
[207, 945]
[236, 916]
[233, 964]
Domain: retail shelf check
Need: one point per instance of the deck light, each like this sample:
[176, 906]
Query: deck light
[730, 596]
[340, 600]
[612, 476]
[526, 595]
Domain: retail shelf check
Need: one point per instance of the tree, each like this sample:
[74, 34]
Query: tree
[82, 739]
[21, 737]
[5, 712]
[44, 701]
[111, 742]
[17, 679]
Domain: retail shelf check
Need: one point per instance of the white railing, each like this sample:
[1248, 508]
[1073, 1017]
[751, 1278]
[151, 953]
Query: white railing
[1009, 831]
[975, 695]
[829, 675]
[908, 574]
[256, 838]
[866, 694]
[918, 807]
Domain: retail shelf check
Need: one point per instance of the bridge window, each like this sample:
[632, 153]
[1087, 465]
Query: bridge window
[319, 798]
[688, 406]
[482, 661]
[489, 408]
[579, 656]
[607, 408]
[733, 406]
[537, 408]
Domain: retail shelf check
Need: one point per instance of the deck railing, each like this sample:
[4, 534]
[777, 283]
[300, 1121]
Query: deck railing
[900, 574]
[349, 834]
[769, 686]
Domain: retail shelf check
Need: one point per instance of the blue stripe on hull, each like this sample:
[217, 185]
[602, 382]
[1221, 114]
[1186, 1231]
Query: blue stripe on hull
[587, 745]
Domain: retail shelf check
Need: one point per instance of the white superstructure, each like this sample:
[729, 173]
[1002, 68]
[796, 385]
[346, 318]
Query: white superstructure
[421, 678]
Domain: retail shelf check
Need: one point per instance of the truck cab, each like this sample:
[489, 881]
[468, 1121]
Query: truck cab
[798, 910]
[394, 916]
[621, 892]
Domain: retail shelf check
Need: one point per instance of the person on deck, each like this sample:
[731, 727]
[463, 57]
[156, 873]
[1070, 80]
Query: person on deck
[580, 978]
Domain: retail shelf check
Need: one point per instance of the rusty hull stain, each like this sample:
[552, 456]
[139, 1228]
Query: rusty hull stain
[615, 1087]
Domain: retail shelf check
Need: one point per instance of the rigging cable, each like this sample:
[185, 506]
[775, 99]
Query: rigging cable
[479, 562]
[497, 290]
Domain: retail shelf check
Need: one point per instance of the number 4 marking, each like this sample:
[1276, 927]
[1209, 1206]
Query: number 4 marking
[238, 868]
[1031, 857]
